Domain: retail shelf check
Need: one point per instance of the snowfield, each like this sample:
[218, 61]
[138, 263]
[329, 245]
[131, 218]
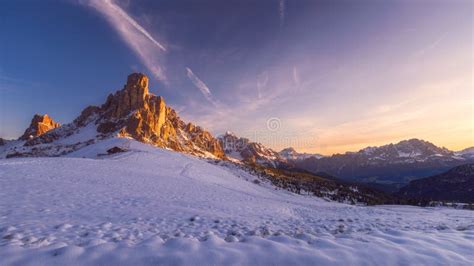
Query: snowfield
[152, 206]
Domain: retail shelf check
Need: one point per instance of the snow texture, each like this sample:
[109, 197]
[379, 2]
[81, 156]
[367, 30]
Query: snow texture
[151, 206]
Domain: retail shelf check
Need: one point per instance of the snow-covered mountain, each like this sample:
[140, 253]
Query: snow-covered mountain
[131, 112]
[154, 206]
[242, 149]
[408, 151]
[467, 153]
[291, 154]
[395, 164]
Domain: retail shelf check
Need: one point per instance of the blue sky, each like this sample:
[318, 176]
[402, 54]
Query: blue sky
[333, 75]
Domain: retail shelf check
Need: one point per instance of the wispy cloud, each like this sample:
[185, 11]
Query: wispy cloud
[262, 81]
[201, 86]
[282, 10]
[134, 35]
[431, 45]
[296, 76]
[8, 83]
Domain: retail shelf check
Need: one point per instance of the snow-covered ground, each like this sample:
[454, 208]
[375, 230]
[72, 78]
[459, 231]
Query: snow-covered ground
[151, 206]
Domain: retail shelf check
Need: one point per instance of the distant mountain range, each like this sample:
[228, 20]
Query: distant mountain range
[242, 149]
[133, 112]
[392, 165]
[291, 154]
[387, 167]
[467, 153]
[455, 185]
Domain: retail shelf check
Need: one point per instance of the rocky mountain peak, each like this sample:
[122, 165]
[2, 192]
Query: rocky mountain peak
[39, 125]
[242, 149]
[289, 150]
[292, 155]
[137, 81]
[134, 112]
[137, 88]
[132, 97]
[231, 143]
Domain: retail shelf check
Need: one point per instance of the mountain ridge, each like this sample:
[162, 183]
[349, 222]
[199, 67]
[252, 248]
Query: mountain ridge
[291, 154]
[456, 184]
[395, 164]
[134, 112]
[244, 150]
[130, 112]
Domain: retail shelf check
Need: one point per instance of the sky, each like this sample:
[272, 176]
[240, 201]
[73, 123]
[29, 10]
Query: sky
[320, 76]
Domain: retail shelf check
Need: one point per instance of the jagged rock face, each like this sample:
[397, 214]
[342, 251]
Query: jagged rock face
[132, 97]
[39, 125]
[2, 142]
[136, 113]
[231, 142]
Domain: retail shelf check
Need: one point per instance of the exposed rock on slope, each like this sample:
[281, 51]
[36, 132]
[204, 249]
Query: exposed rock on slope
[131, 112]
[39, 125]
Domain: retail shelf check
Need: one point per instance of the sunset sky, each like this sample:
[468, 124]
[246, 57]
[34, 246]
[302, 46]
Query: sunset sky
[321, 76]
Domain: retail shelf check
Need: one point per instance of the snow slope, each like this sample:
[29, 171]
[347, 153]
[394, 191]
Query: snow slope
[152, 206]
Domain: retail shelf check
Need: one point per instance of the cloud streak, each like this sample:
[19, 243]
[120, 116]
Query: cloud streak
[282, 10]
[130, 20]
[431, 46]
[135, 36]
[262, 81]
[201, 86]
[296, 76]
